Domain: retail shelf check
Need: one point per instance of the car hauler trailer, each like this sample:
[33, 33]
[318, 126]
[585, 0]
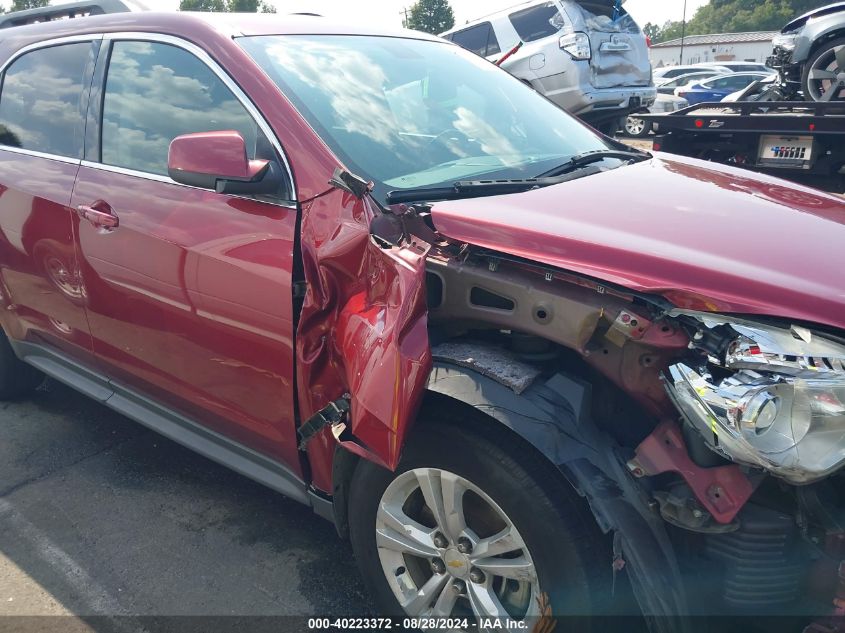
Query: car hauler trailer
[803, 141]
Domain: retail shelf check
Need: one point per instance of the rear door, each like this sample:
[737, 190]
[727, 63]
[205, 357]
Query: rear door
[42, 112]
[190, 292]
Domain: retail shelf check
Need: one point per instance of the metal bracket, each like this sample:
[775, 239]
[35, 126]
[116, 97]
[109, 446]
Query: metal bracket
[722, 490]
[333, 413]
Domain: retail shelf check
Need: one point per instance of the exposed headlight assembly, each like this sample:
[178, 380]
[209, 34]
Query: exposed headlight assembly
[786, 41]
[768, 397]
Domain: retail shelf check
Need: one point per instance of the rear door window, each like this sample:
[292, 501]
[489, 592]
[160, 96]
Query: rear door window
[41, 102]
[537, 22]
[479, 39]
[156, 92]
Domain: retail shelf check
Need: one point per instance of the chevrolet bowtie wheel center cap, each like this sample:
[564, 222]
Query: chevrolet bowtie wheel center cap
[457, 564]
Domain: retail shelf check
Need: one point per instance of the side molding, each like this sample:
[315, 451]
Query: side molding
[169, 423]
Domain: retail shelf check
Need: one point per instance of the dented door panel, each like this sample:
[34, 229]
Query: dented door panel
[363, 329]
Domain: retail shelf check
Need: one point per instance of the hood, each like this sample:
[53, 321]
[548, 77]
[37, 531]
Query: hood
[801, 20]
[704, 236]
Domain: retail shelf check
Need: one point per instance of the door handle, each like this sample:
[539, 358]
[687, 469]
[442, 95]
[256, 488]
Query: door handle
[97, 217]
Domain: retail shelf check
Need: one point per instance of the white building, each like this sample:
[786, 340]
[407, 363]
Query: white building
[755, 46]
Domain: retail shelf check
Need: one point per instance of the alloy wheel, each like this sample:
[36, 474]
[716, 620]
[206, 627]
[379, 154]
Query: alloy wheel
[826, 78]
[447, 549]
[634, 126]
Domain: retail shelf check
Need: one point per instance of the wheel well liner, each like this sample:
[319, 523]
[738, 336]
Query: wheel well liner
[553, 415]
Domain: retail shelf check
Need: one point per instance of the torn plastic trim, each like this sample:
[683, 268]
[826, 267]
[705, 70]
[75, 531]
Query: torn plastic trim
[333, 413]
[349, 182]
[554, 417]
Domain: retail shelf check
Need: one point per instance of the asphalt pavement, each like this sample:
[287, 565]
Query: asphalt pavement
[101, 517]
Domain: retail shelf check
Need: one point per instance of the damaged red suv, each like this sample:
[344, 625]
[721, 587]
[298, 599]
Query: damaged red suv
[515, 362]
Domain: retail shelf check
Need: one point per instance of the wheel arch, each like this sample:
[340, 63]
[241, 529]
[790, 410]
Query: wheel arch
[818, 40]
[553, 417]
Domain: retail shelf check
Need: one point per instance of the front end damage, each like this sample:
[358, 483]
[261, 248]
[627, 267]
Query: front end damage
[708, 448]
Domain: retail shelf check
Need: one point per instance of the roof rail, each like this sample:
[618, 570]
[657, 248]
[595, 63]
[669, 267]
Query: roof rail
[77, 9]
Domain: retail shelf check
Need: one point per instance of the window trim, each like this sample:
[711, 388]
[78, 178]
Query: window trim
[35, 46]
[211, 64]
[105, 40]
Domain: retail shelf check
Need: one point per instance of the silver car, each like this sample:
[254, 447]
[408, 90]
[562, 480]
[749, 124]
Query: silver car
[589, 58]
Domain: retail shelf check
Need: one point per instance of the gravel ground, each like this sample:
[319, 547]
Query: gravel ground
[101, 517]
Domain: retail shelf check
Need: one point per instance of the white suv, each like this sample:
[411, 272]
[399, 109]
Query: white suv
[590, 58]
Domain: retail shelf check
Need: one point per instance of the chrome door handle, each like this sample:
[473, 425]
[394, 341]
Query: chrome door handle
[96, 217]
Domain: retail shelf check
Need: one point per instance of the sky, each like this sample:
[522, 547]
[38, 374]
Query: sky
[388, 13]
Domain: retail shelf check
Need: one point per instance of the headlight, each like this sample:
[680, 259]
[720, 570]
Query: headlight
[772, 397]
[577, 45]
[785, 41]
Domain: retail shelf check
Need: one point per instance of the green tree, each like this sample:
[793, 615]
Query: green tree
[20, 5]
[652, 31]
[734, 16]
[202, 5]
[431, 16]
[230, 6]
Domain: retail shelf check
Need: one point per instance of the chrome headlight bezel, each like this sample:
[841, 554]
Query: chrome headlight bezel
[773, 398]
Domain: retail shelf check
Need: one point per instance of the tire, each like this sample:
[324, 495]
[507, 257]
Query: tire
[553, 529]
[636, 127]
[821, 72]
[16, 377]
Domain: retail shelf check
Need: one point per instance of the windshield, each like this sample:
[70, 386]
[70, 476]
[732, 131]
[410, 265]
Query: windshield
[409, 113]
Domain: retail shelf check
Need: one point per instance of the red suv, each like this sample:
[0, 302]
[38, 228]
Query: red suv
[517, 363]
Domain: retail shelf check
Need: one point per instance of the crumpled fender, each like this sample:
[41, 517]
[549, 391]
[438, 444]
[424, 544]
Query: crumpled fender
[363, 325]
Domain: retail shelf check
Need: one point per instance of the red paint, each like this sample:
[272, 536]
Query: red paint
[363, 326]
[42, 292]
[188, 292]
[221, 154]
[189, 301]
[722, 490]
[705, 236]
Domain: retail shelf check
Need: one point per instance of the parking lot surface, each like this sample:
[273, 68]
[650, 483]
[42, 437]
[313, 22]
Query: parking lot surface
[101, 517]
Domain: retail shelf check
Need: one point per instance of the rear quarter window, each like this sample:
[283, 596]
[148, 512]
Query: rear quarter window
[537, 22]
[479, 39]
[41, 105]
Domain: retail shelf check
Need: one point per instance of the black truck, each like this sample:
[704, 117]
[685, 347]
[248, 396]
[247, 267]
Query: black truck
[792, 126]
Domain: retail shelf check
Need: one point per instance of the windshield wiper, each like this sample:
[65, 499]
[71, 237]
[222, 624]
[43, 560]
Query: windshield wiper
[594, 156]
[479, 188]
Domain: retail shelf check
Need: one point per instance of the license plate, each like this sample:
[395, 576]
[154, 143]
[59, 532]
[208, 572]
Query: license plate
[786, 151]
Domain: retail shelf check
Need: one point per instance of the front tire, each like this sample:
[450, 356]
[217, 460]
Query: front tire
[16, 377]
[822, 79]
[506, 537]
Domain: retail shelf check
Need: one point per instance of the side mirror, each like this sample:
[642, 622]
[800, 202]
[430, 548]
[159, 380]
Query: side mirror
[218, 160]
